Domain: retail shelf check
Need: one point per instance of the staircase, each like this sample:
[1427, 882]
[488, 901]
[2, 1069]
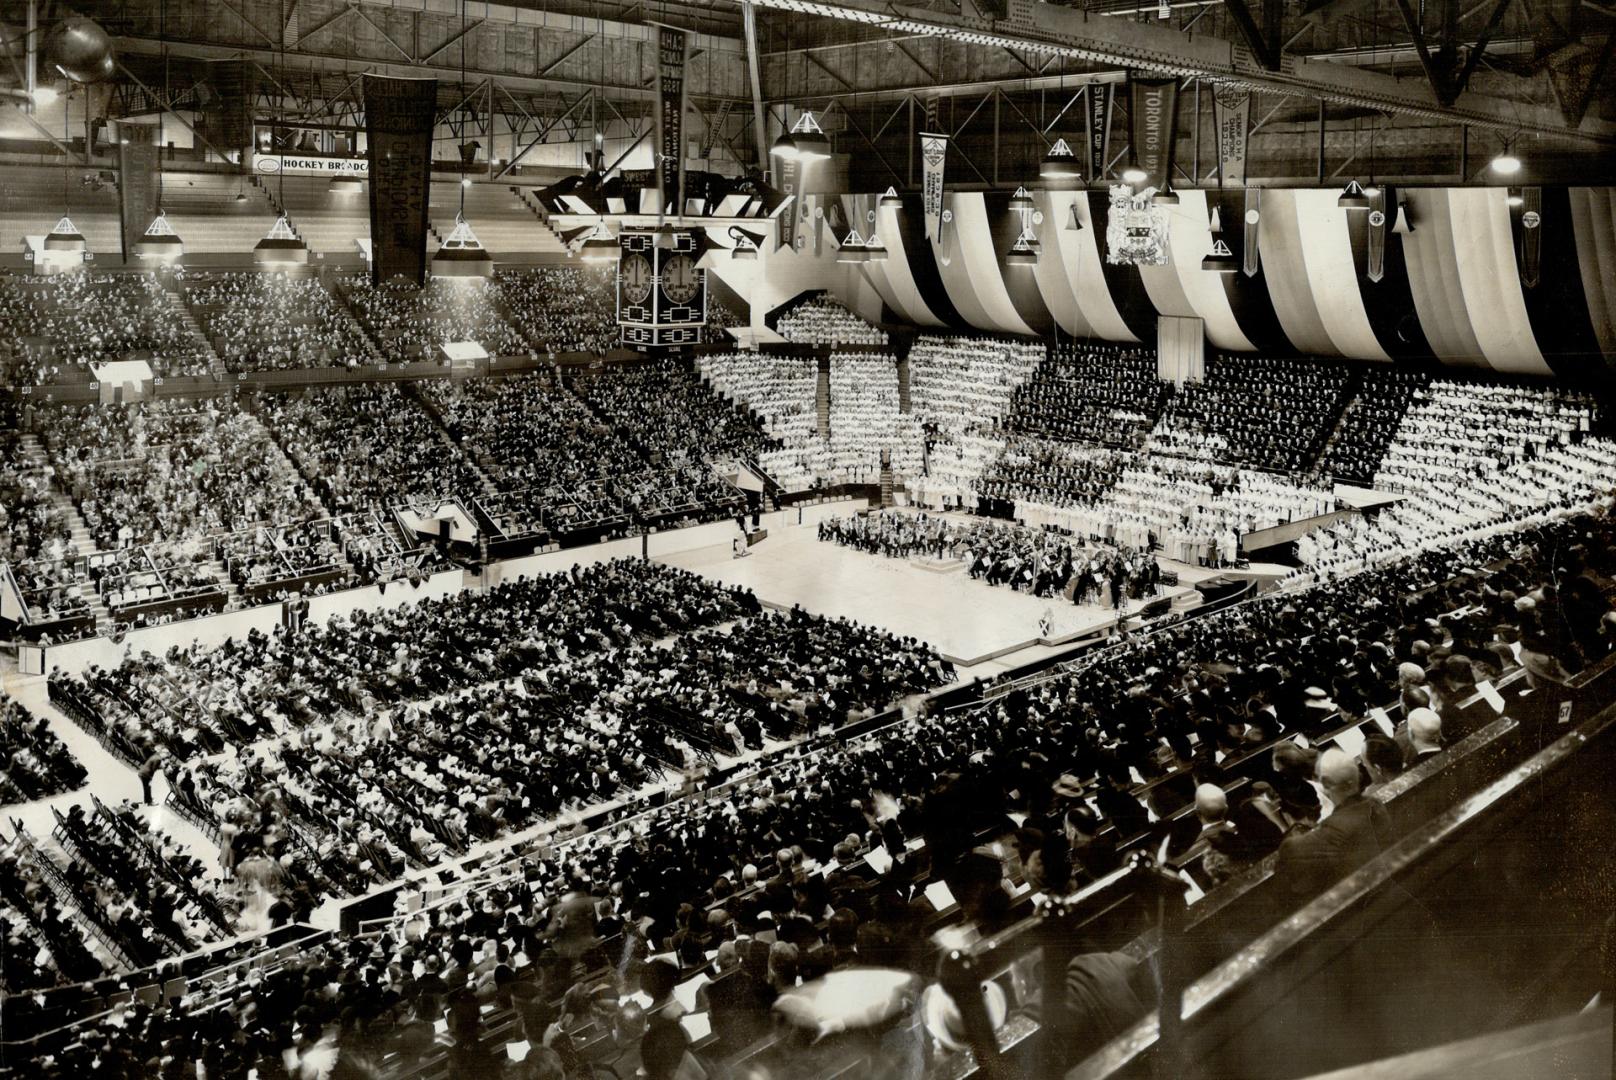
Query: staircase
[538, 212]
[1349, 399]
[216, 567]
[715, 126]
[822, 397]
[886, 482]
[903, 386]
[485, 482]
[372, 347]
[176, 306]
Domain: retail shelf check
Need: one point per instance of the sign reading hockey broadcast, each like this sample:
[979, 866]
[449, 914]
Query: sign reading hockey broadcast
[309, 165]
[670, 115]
[1232, 109]
[934, 157]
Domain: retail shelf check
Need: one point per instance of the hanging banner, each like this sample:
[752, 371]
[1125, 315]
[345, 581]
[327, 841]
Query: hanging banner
[1253, 218]
[1531, 236]
[672, 46]
[1099, 124]
[788, 217]
[137, 181]
[1379, 225]
[1231, 109]
[934, 157]
[1153, 117]
[399, 115]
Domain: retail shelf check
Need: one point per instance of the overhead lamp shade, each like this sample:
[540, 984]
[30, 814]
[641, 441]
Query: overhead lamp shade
[812, 146]
[1165, 197]
[892, 200]
[1402, 225]
[1220, 259]
[1020, 202]
[241, 196]
[281, 246]
[1060, 164]
[1021, 256]
[65, 236]
[1133, 174]
[599, 247]
[853, 249]
[462, 255]
[785, 147]
[1215, 222]
[160, 243]
[1352, 197]
[1506, 164]
[346, 185]
[875, 250]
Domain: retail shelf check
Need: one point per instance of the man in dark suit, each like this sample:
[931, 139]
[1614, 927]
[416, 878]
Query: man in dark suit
[1354, 833]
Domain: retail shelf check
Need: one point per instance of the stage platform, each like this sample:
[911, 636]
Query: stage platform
[1365, 498]
[968, 621]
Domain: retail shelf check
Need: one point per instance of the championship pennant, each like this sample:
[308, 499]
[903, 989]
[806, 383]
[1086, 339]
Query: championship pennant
[1379, 225]
[1253, 219]
[1231, 110]
[1098, 115]
[672, 50]
[1153, 115]
[934, 159]
[1531, 236]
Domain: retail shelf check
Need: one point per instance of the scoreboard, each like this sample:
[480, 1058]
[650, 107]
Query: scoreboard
[661, 292]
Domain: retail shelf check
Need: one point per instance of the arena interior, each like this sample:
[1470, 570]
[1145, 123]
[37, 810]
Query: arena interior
[807, 539]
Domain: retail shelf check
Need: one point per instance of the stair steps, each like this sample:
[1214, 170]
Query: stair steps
[903, 386]
[822, 397]
[172, 301]
[372, 346]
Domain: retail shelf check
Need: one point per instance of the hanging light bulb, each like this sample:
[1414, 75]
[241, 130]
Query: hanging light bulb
[65, 236]
[1352, 197]
[1215, 223]
[1060, 164]
[1506, 163]
[809, 138]
[853, 249]
[1022, 252]
[1514, 201]
[1076, 224]
[785, 147]
[1220, 260]
[1133, 174]
[891, 199]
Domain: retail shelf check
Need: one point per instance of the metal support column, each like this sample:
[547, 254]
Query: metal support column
[1321, 142]
[749, 24]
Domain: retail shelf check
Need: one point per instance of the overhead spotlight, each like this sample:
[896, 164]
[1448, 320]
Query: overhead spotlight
[1372, 191]
[1220, 260]
[44, 95]
[1352, 197]
[1023, 252]
[1514, 201]
[785, 147]
[160, 242]
[65, 236]
[891, 199]
[1402, 225]
[462, 255]
[465, 181]
[1506, 164]
[809, 137]
[853, 249]
[1076, 224]
[1133, 174]
[1060, 164]
[1215, 223]
[874, 249]
[746, 248]
[281, 246]
[241, 196]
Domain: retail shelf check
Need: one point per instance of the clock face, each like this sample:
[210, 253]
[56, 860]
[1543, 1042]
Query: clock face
[634, 271]
[680, 279]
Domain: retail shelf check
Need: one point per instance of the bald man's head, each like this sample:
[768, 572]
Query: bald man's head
[1424, 729]
[1211, 804]
[1338, 774]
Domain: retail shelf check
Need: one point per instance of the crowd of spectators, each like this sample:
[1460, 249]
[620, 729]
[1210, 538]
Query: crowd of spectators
[866, 423]
[822, 321]
[271, 322]
[411, 323]
[808, 867]
[781, 392]
[1370, 423]
[170, 470]
[663, 409]
[561, 309]
[1096, 394]
[36, 762]
[964, 383]
[366, 445]
[51, 328]
[1263, 412]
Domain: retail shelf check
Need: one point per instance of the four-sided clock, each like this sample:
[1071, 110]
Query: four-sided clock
[636, 273]
[661, 292]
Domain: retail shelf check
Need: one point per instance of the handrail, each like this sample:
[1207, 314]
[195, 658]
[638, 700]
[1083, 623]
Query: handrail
[1252, 962]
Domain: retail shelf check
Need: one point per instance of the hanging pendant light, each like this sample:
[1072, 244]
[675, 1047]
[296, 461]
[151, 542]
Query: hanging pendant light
[281, 246]
[1352, 197]
[599, 246]
[874, 249]
[891, 200]
[809, 138]
[1220, 259]
[1506, 163]
[1133, 174]
[785, 147]
[1060, 164]
[65, 236]
[462, 255]
[852, 249]
[1022, 252]
[160, 243]
[1401, 225]
[1214, 224]
[1020, 202]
